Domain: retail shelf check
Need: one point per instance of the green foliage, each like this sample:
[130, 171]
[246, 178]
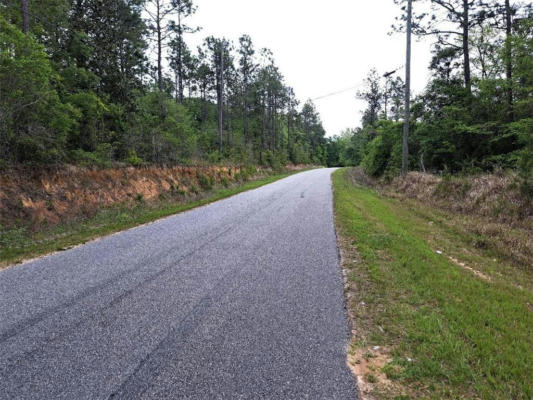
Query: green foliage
[133, 159]
[206, 181]
[468, 120]
[383, 153]
[78, 88]
[274, 160]
[524, 129]
[161, 129]
[33, 122]
[101, 157]
[464, 336]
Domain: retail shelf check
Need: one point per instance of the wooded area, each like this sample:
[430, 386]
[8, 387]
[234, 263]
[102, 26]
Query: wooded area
[92, 82]
[476, 113]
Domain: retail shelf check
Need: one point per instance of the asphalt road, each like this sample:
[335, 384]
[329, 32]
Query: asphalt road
[241, 299]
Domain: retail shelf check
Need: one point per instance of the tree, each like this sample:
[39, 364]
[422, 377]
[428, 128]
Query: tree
[220, 58]
[503, 19]
[183, 9]
[159, 12]
[464, 14]
[247, 68]
[25, 16]
[396, 94]
[313, 130]
[33, 122]
[373, 96]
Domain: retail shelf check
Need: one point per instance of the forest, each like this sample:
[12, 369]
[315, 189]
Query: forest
[94, 83]
[476, 113]
[91, 82]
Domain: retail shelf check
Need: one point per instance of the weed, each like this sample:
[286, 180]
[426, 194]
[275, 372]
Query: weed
[49, 205]
[224, 181]
[194, 189]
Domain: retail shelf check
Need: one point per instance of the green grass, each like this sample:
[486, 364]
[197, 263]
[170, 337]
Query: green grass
[18, 244]
[451, 333]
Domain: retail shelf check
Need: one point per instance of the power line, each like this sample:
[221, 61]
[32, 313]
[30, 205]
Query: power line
[356, 86]
[338, 92]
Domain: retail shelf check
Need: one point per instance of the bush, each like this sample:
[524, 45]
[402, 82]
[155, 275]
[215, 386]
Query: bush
[206, 182]
[524, 130]
[383, 153]
[133, 159]
[34, 122]
[101, 157]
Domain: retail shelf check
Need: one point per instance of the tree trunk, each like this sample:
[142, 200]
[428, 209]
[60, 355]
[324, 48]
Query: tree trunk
[159, 48]
[204, 103]
[274, 123]
[176, 95]
[180, 61]
[466, 49]
[289, 125]
[25, 16]
[220, 98]
[405, 142]
[509, 61]
[245, 111]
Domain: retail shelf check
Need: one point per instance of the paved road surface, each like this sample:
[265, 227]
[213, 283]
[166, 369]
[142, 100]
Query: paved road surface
[241, 299]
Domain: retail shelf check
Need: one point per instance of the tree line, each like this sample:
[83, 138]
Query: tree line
[95, 82]
[476, 112]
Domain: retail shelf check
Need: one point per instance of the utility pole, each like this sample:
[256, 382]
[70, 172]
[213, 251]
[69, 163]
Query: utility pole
[405, 153]
[25, 16]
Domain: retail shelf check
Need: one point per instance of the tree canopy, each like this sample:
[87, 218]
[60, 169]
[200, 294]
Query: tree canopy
[92, 82]
[476, 112]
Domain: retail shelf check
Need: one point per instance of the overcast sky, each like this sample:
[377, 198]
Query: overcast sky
[319, 46]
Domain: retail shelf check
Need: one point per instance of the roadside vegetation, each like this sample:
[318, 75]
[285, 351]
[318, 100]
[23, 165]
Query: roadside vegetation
[94, 82]
[438, 309]
[475, 114]
[438, 263]
[23, 240]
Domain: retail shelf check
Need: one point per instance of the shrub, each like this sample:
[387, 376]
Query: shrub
[383, 153]
[206, 182]
[225, 181]
[133, 159]
[524, 129]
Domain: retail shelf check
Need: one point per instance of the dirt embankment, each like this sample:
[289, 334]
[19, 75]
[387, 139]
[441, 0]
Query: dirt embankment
[495, 196]
[490, 206]
[49, 197]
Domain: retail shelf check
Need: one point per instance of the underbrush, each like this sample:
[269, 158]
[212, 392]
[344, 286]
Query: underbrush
[490, 209]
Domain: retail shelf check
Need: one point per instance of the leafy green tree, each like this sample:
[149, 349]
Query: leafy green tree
[373, 96]
[33, 121]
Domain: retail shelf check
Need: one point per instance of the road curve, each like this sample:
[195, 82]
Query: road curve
[240, 299]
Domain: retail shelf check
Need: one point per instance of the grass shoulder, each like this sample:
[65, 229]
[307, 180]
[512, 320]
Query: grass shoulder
[433, 316]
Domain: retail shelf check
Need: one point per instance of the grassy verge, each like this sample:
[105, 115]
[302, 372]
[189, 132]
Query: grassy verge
[433, 316]
[21, 244]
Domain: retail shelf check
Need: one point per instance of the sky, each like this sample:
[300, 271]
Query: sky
[320, 46]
